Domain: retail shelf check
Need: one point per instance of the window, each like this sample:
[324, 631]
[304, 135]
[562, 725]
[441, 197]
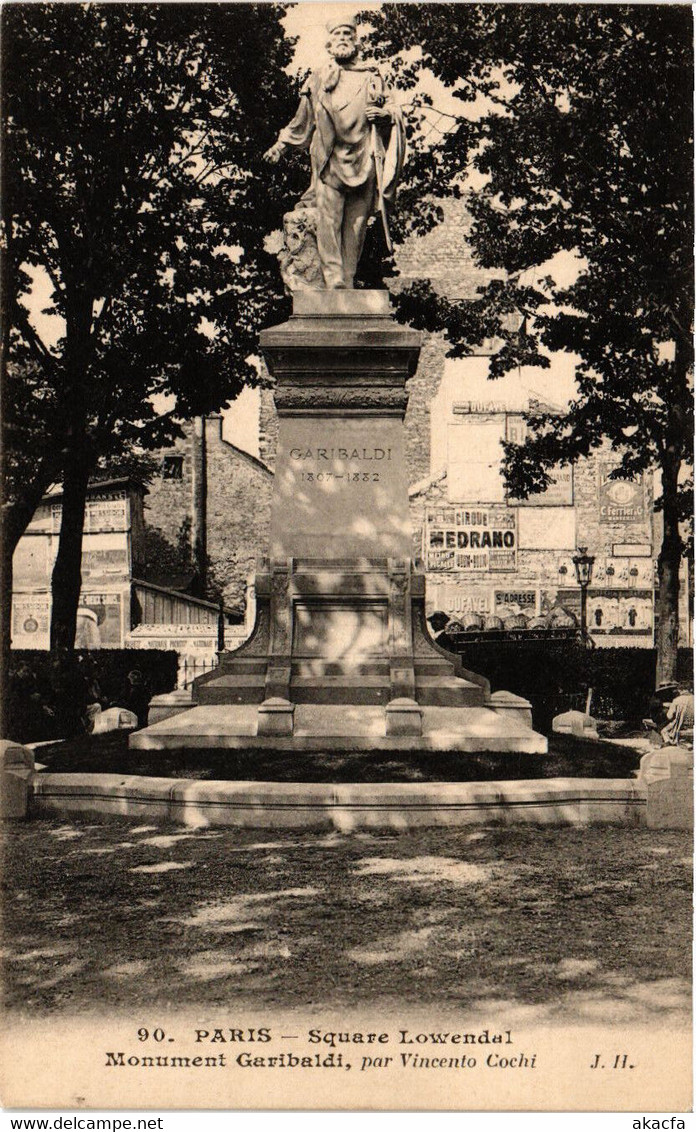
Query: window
[172, 467]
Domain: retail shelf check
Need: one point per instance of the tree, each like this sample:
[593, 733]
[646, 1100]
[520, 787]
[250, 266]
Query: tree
[133, 183]
[579, 130]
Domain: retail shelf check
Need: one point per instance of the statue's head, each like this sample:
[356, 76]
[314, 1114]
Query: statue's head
[342, 44]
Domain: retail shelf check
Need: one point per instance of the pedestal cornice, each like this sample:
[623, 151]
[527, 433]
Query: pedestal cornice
[341, 352]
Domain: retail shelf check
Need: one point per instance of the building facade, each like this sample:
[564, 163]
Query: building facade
[112, 542]
[489, 556]
[211, 501]
[119, 607]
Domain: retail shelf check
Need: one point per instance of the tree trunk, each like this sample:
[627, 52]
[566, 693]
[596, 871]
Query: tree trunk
[668, 562]
[6, 628]
[66, 581]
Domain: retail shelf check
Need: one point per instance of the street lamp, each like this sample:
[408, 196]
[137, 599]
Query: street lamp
[221, 626]
[583, 563]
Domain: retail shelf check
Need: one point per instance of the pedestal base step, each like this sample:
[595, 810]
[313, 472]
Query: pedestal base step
[324, 727]
[344, 688]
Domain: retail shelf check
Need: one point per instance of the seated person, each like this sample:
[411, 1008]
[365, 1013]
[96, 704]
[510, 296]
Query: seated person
[680, 719]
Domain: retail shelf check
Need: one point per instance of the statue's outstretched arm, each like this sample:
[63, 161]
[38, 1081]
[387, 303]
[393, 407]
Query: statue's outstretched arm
[297, 134]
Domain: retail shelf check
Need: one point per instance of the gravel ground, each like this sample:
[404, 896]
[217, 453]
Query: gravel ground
[128, 914]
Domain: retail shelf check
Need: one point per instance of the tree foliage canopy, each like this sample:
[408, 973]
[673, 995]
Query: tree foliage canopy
[134, 190]
[133, 183]
[577, 126]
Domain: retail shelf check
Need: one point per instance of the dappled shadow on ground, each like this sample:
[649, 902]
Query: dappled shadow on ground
[568, 757]
[590, 923]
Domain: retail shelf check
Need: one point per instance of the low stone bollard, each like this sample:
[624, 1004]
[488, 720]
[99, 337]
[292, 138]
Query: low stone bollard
[16, 778]
[575, 723]
[403, 717]
[114, 719]
[667, 776]
[513, 707]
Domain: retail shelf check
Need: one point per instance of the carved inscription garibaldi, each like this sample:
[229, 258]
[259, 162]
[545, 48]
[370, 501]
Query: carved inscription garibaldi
[355, 137]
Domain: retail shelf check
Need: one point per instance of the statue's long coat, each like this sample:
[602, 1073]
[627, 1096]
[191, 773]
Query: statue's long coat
[331, 121]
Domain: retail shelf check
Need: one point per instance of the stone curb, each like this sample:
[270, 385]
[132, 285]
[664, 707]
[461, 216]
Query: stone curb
[398, 806]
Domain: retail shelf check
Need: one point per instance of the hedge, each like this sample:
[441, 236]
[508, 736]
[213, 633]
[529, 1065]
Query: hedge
[555, 675]
[48, 691]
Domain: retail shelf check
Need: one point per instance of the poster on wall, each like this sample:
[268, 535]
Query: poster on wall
[470, 539]
[105, 555]
[31, 621]
[99, 621]
[32, 562]
[457, 598]
[473, 459]
[522, 601]
[620, 501]
[106, 515]
[559, 493]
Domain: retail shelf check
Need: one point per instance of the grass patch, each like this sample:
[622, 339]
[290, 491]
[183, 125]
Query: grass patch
[568, 757]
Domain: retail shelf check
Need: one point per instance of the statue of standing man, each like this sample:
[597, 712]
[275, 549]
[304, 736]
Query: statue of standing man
[355, 136]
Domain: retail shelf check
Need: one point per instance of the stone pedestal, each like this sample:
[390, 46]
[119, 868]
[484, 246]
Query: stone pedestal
[341, 489]
[340, 656]
[16, 777]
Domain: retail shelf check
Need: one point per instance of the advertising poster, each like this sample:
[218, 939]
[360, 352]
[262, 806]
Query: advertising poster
[471, 538]
[32, 561]
[559, 493]
[620, 501]
[105, 556]
[353, 868]
[31, 615]
[100, 622]
[107, 515]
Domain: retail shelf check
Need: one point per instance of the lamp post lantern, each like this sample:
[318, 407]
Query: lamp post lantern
[583, 563]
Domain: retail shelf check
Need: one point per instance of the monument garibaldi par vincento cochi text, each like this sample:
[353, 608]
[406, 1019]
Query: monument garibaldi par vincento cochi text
[340, 658]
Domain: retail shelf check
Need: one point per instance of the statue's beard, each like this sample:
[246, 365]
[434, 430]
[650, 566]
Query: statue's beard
[344, 52]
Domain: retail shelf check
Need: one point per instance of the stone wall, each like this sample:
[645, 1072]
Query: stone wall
[421, 389]
[444, 256]
[237, 505]
[168, 502]
[268, 429]
[239, 501]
